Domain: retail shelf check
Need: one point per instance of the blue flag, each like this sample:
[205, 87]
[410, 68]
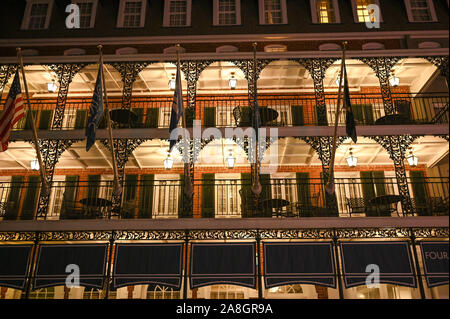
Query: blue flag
[177, 107]
[350, 118]
[96, 111]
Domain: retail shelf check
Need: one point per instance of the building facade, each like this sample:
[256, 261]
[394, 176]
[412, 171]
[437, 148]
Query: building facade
[391, 186]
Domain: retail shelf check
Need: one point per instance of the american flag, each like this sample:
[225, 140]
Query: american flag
[14, 110]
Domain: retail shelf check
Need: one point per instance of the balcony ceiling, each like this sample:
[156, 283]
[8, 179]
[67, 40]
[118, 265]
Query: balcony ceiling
[290, 151]
[279, 76]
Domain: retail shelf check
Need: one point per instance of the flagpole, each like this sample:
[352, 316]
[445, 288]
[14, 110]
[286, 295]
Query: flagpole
[117, 188]
[330, 185]
[256, 187]
[45, 188]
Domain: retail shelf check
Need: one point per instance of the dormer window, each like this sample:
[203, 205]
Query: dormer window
[37, 14]
[131, 14]
[227, 12]
[325, 11]
[272, 12]
[177, 13]
[421, 11]
[88, 10]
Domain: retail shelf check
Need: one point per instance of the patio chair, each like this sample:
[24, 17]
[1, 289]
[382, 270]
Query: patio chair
[437, 206]
[420, 207]
[72, 210]
[356, 206]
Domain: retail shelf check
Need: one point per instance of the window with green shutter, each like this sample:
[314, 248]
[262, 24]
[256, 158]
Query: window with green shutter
[152, 118]
[93, 186]
[45, 119]
[418, 186]
[363, 114]
[298, 117]
[146, 186]
[28, 123]
[69, 197]
[303, 189]
[31, 198]
[208, 196]
[81, 119]
[210, 117]
[140, 114]
[14, 196]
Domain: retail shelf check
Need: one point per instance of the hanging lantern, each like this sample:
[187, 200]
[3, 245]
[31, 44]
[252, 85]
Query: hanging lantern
[34, 165]
[168, 163]
[352, 161]
[231, 160]
[172, 83]
[412, 159]
[52, 87]
[394, 80]
[342, 81]
[233, 82]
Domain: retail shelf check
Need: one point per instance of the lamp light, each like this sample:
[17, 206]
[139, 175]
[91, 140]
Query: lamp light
[337, 80]
[352, 161]
[231, 160]
[412, 159]
[172, 82]
[34, 165]
[394, 80]
[52, 87]
[233, 81]
[168, 162]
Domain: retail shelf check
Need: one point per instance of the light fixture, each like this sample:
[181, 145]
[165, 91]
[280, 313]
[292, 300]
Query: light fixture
[412, 159]
[342, 81]
[352, 161]
[231, 160]
[52, 87]
[168, 162]
[172, 82]
[233, 81]
[35, 165]
[394, 80]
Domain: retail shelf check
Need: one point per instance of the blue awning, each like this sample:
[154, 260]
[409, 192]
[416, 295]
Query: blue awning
[137, 264]
[393, 259]
[14, 264]
[435, 262]
[53, 260]
[227, 263]
[299, 263]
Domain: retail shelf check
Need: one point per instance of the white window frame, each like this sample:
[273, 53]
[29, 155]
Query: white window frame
[93, 13]
[57, 193]
[355, 11]
[27, 15]
[262, 15]
[157, 210]
[411, 16]
[120, 18]
[216, 14]
[227, 178]
[166, 22]
[314, 13]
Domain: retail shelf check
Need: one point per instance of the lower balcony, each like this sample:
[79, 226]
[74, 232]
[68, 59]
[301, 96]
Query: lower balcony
[298, 198]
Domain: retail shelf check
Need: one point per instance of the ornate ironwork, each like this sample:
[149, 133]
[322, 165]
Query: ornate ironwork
[221, 234]
[18, 236]
[6, 71]
[431, 232]
[149, 235]
[317, 67]
[372, 233]
[397, 146]
[297, 234]
[382, 67]
[441, 62]
[75, 235]
[129, 73]
[192, 71]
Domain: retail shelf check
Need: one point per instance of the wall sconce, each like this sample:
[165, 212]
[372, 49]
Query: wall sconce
[352, 161]
[394, 80]
[231, 160]
[412, 159]
[233, 82]
[172, 82]
[168, 163]
[52, 87]
[34, 165]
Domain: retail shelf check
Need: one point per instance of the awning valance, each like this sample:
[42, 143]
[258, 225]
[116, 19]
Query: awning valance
[137, 264]
[299, 263]
[227, 263]
[393, 259]
[435, 262]
[14, 264]
[53, 260]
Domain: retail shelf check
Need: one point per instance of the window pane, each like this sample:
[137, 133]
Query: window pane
[363, 13]
[132, 14]
[85, 14]
[420, 10]
[273, 12]
[178, 12]
[227, 12]
[38, 16]
[325, 11]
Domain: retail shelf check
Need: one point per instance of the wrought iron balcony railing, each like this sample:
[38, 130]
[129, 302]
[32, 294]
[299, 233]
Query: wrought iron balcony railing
[232, 111]
[214, 198]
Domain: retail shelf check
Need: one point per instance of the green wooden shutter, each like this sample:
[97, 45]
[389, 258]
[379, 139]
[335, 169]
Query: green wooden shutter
[152, 118]
[367, 185]
[28, 125]
[103, 124]
[146, 196]
[298, 117]
[379, 182]
[210, 117]
[363, 113]
[81, 119]
[303, 190]
[14, 198]
[247, 204]
[181, 198]
[70, 195]
[208, 196]
[324, 121]
[246, 117]
[31, 197]
[266, 187]
[45, 119]
[418, 186]
[140, 117]
[93, 186]
[130, 190]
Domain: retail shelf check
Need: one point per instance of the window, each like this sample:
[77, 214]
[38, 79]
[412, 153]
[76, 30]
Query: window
[37, 14]
[166, 192]
[272, 12]
[361, 13]
[227, 195]
[177, 13]
[325, 11]
[131, 14]
[162, 292]
[56, 198]
[226, 292]
[227, 12]
[88, 9]
[420, 11]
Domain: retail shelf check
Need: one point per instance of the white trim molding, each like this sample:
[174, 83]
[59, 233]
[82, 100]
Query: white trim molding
[93, 13]
[121, 15]
[27, 14]
[431, 9]
[262, 16]
[166, 22]
[315, 15]
[216, 19]
[355, 11]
